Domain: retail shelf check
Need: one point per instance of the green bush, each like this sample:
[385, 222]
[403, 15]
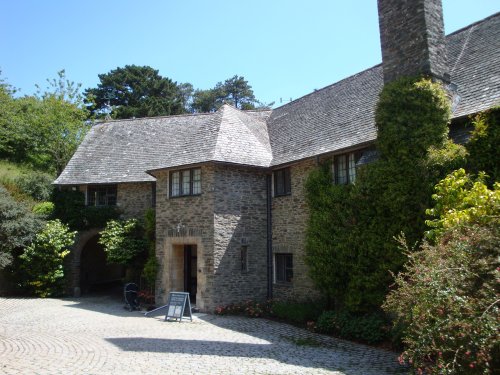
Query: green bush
[44, 209]
[42, 261]
[447, 296]
[69, 207]
[460, 200]
[36, 184]
[483, 145]
[371, 328]
[350, 248]
[296, 312]
[123, 241]
[18, 226]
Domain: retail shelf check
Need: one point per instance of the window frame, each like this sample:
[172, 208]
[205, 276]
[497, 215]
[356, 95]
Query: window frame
[244, 258]
[282, 177]
[193, 185]
[284, 275]
[350, 171]
[110, 191]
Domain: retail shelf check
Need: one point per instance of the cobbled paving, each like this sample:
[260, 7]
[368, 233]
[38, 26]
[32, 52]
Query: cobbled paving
[95, 335]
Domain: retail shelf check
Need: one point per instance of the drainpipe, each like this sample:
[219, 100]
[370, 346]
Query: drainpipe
[269, 238]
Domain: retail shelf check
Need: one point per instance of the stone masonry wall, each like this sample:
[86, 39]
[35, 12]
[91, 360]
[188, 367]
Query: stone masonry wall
[134, 199]
[290, 214]
[240, 219]
[412, 38]
[185, 221]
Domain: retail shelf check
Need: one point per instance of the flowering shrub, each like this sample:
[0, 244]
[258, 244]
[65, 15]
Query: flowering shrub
[447, 298]
[249, 308]
[146, 297]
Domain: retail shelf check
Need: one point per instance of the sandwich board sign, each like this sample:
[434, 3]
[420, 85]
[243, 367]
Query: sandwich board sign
[178, 306]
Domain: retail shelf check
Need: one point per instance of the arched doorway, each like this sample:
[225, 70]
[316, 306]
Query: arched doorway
[96, 275]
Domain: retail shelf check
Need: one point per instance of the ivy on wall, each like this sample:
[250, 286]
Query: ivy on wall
[351, 249]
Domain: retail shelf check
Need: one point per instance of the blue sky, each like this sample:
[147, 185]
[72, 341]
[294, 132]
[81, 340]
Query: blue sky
[285, 49]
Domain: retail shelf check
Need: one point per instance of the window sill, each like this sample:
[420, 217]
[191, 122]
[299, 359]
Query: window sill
[285, 284]
[282, 195]
[183, 196]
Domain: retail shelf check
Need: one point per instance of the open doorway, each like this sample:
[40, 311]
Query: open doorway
[190, 271]
[184, 270]
[96, 275]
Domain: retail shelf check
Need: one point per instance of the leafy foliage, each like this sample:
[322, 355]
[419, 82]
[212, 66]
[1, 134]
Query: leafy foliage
[18, 226]
[42, 261]
[69, 207]
[42, 130]
[38, 185]
[447, 298]
[350, 248]
[123, 241]
[151, 266]
[460, 200]
[296, 312]
[371, 328]
[235, 91]
[44, 209]
[483, 145]
[135, 91]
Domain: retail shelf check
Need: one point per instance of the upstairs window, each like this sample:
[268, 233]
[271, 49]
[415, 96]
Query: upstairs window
[101, 195]
[282, 182]
[344, 168]
[185, 182]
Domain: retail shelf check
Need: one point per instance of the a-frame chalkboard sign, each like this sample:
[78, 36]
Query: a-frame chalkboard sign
[178, 307]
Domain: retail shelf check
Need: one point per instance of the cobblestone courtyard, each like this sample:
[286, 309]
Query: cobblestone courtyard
[95, 335]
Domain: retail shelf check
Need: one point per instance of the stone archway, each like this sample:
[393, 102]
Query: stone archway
[89, 270]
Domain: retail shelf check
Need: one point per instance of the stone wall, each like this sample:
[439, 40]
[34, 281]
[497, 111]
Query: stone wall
[240, 219]
[229, 213]
[134, 198]
[290, 214]
[185, 221]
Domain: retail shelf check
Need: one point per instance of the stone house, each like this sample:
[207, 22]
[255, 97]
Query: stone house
[228, 187]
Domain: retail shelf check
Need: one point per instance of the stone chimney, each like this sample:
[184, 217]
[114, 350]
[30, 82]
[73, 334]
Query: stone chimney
[412, 38]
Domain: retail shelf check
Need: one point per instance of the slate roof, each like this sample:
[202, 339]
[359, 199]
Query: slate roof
[335, 118]
[341, 116]
[122, 151]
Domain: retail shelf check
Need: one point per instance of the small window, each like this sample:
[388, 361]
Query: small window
[344, 168]
[282, 182]
[283, 268]
[101, 195]
[185, 182]
[244, 258]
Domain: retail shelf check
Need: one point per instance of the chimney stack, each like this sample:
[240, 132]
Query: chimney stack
[412, 39]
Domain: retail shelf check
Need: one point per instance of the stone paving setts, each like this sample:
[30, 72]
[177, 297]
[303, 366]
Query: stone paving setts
[95, 335]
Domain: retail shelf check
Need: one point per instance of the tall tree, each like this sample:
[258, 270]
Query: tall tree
[42, 130]
[235, 91]
[134, 91]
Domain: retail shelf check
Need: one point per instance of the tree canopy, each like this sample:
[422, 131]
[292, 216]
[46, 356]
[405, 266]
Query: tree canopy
[235, 91]
[135, 91]
[43, 130]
